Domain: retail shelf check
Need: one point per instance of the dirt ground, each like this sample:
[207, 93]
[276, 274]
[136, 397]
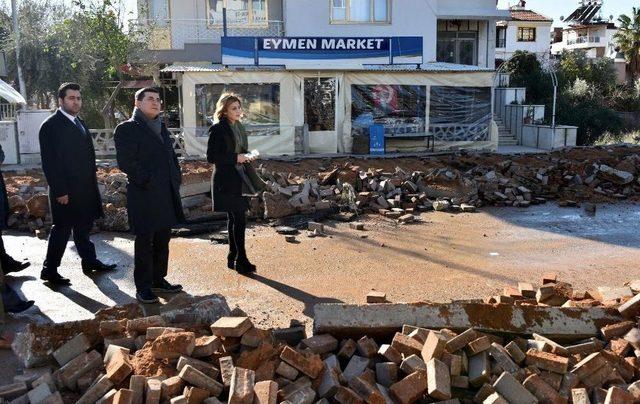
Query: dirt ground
[445, 256]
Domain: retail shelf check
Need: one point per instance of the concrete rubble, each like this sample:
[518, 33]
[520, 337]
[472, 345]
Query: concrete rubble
[398, 188]
[196, 351]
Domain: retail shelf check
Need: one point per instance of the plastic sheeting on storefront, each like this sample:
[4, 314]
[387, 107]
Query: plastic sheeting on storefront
[291, 107]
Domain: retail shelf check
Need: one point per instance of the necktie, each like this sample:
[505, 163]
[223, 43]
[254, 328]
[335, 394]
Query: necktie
[79, 125]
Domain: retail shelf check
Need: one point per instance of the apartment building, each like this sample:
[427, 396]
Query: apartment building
[422, 70]
[589, 31]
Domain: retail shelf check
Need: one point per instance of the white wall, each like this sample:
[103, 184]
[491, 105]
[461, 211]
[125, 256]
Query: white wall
[408, 18]
[540, 46]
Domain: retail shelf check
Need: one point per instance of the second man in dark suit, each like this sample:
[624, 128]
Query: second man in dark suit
[145, 153]
[69, 165]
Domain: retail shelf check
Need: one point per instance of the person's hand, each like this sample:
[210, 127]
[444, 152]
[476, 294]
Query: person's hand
[63, 200]
[242, 159]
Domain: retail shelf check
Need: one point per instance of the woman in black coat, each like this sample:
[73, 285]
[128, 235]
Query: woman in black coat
[234, 177]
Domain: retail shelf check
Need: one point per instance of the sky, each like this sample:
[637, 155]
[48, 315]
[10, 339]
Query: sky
[551, 8]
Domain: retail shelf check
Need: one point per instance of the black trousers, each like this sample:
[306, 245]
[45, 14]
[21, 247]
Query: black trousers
[151, 256]
[236, 226]
[4, 257]
[58, 243]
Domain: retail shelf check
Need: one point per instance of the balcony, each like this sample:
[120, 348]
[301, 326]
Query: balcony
[172, 34]
[585, 41]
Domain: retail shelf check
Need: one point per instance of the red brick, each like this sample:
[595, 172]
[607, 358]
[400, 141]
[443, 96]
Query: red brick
[309, 364]
[411, 388]
[406, 345]
[548, 361]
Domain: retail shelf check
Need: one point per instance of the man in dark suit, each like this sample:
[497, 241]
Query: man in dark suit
[69, 164]
[7, 262]
[145, 153]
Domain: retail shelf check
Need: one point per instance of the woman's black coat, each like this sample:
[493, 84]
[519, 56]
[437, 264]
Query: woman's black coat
[69, 164]
[154, 177]
[227, 183]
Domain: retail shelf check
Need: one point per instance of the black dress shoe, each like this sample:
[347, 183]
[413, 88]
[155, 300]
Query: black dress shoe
[97, 266]
[15, 266]
[54, 278]
[165, 287]
[19, 307]
[245, 267]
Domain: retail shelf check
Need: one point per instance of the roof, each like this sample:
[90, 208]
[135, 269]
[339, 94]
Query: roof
[8, 93]
[529, 15]
[432, 67]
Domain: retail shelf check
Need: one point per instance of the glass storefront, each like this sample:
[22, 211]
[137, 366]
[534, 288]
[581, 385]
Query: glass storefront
[320, 104]
[261, 105]
[401, 109]
[460, 113]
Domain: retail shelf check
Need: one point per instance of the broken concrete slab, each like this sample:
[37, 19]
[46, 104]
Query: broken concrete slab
[382, 320]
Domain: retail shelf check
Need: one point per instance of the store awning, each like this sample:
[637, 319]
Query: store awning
[8, 93]
[432, 67]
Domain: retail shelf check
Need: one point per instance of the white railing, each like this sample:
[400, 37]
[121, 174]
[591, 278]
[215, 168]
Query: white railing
[104, 143]
[202, 30]
[7, 112]
[583, 39]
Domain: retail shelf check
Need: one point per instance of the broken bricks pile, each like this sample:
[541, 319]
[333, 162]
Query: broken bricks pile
[456, 182]
[152, 360]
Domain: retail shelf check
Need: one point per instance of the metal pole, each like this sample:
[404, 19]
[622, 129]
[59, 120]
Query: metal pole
[224, 21]
[16, 32]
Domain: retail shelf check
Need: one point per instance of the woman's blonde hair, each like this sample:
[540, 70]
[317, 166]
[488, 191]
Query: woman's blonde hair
[223, 103]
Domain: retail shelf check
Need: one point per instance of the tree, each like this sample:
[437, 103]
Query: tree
[85, 44]
[628, 38]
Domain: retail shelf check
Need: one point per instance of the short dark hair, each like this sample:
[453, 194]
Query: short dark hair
[62, 90]
[140, 93]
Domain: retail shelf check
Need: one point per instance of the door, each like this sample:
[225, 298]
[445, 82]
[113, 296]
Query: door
[320, 113]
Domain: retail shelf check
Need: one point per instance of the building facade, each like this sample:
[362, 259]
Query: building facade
[327, 100]
[527, 31]
[588, 31]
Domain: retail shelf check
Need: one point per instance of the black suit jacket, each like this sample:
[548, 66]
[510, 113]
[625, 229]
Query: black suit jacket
[154, 177]
[69, 165]
[227, 183]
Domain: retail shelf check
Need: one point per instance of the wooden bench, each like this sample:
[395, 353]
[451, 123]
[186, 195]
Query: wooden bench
[429, 138]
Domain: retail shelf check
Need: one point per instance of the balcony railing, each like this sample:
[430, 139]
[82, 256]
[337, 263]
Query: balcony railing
[584, 39]
[7, 112]
[178, 32]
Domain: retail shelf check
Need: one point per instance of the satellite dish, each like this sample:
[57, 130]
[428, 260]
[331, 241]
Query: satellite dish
[562, 18]
[611, 17]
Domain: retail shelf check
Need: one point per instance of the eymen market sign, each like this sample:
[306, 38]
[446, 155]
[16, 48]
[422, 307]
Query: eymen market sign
[315, 52]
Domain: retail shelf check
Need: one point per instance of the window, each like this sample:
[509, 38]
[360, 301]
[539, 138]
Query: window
[401, 109]
[457, 47]
[159, 12]
[526, 34]
[260, 104]
[239, 12]
[460, 113]
[360, 11]
[501, 37]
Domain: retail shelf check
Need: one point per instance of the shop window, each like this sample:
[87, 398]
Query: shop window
[401, 109]
[460, 113]
[320, 104]
[261, 106]
[360, 11]
[239, 12]
[526, 34]
[457, 47]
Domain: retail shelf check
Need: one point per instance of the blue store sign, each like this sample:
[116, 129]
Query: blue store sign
[317, 52]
